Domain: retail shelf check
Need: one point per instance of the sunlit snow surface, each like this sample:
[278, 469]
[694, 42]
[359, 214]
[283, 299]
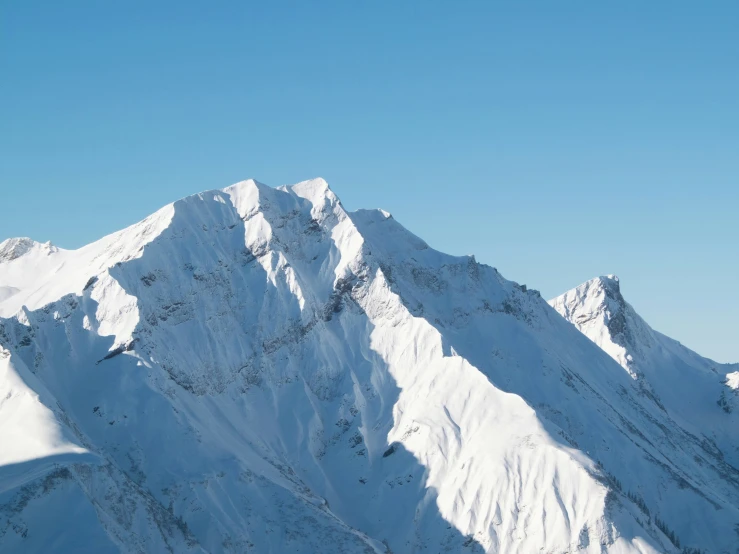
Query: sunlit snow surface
[697, 392]
[257, 370]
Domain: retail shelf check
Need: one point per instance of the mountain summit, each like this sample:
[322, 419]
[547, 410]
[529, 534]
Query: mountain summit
[258, 370]
[698, 392]
[599, 310]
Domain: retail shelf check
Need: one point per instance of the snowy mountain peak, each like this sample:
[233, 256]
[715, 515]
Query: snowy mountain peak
[607, 286]
[611, 281]
[600, 311]
[316, 190]
[13, 248]
[700, 393]
[257, 369]
[23, 262]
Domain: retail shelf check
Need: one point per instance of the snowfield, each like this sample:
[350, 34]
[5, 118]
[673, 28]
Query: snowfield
[258, 370]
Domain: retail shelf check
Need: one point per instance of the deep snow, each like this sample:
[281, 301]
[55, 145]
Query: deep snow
[256, 369]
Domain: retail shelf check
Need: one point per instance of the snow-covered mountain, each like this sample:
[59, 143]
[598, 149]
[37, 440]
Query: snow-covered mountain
[701, 394]
[258, 370]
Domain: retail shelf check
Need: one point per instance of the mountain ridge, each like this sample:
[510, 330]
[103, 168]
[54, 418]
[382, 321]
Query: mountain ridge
[258, 369]
[694, 388]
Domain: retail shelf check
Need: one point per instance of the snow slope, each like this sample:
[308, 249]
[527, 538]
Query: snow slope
[699, 393]
[257, 370]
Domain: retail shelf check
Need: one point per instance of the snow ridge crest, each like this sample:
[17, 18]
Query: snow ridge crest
[599, 310]
[13, 248]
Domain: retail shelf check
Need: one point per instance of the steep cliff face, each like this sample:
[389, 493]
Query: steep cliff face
[699, 393]
[256, 369]
[599, 310]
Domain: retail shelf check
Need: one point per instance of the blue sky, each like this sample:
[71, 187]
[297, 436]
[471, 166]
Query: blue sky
[556, 141]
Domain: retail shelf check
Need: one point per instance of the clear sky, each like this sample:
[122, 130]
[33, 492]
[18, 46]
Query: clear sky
[556, 141]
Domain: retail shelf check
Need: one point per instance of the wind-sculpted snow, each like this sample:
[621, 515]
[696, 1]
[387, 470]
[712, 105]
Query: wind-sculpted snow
[257, 370]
